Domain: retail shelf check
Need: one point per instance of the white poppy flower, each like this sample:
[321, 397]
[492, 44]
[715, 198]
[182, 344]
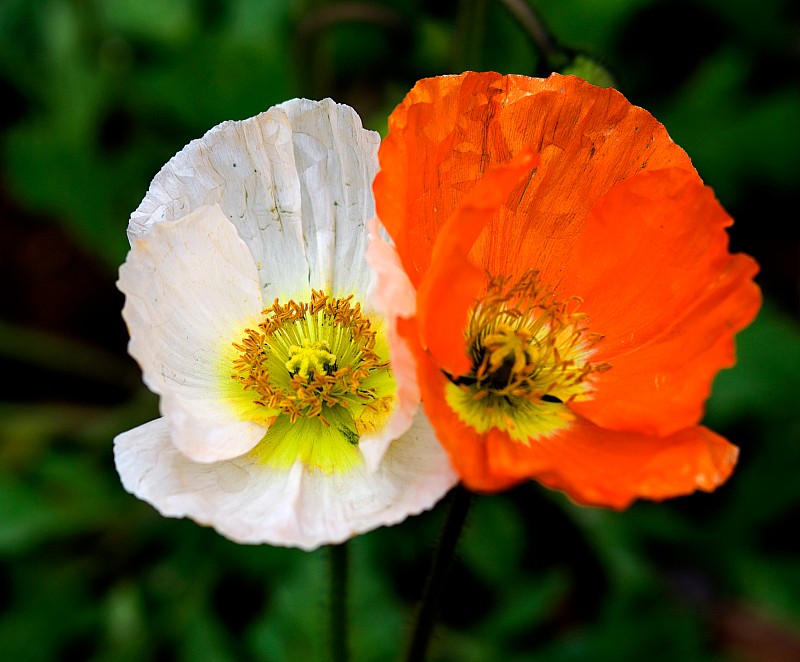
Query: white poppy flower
[249, 304]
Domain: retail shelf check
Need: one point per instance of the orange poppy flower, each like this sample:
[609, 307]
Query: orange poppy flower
[573, 294]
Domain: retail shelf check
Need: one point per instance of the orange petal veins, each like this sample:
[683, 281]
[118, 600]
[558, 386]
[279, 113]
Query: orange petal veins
[449, 130]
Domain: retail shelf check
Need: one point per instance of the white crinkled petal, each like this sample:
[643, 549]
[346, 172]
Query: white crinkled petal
[251, 503]
[296, 181]
[336, 161]
[191, 289]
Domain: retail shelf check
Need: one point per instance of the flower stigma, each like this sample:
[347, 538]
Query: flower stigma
[530, 358]
[318, 373]
[308, 358]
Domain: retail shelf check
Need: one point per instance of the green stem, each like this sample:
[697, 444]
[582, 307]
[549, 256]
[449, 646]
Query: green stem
[338, 603]
[426, 615]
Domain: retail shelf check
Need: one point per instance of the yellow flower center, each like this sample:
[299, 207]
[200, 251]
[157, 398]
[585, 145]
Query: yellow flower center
[318, 373]
[530, 357]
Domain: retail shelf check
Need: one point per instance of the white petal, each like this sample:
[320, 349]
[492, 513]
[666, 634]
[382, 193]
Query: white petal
[295, 181]
[191, 289]
[336, 161]
[250, 503]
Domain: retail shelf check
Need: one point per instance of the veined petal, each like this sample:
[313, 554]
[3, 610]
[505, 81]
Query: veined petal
[191, 289]
[336, 161]
[252, 503]
[294, 180]
[450, 130]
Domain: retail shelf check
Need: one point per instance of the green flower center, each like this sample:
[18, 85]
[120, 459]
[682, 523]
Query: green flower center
[530, 358]
[319, 374]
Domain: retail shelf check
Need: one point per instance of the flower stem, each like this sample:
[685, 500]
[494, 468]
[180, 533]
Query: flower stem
[426, 614]
[338, 603]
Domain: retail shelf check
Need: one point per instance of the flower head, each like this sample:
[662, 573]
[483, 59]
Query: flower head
[574, 291]
[286, 418]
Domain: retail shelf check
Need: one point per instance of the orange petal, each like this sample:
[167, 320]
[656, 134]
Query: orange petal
[653, 269]
[450, 130]
[601, 467]
[452, 282]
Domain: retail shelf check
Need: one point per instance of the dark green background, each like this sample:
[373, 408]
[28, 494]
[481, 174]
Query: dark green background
[96, 95]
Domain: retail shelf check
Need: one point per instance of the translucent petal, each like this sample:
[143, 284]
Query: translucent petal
[450, 130]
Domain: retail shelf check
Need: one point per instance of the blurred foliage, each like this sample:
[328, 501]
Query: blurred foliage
[98, 94]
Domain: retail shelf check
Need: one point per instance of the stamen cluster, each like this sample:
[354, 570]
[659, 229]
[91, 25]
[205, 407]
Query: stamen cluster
[525, 343]
[530, 357]
[304, 357]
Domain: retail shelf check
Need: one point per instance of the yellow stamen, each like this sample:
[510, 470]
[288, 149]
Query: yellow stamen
[530, 356]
